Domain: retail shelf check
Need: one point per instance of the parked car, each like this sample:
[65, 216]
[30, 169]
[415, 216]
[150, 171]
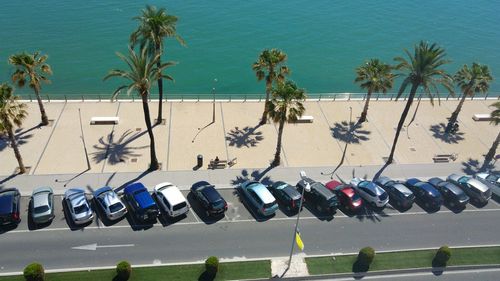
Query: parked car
[78, 206]
[110, 203]
[42, 205]
[346, 195]
[492, 180]
[321, 197]
[370, 192]
[476, 190]
[425, 193]
[209, 198]
[9, 206]
[451, 193]
[260, 197]
[171, 199]
[399, 195]
[140, 201]
[286, 194]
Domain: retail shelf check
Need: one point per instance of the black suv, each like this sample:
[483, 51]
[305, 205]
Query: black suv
[286, 194]
[452, 194]
[9, 206]
[321, 197]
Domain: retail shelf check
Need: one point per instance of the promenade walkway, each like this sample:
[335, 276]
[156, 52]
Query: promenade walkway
[188, 130]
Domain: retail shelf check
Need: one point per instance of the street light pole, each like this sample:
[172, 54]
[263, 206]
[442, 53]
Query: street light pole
[306, 188]
[213, 92]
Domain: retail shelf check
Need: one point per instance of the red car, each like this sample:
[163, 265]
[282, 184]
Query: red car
[346, 194]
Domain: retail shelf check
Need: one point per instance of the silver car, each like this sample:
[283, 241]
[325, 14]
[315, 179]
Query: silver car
[110, 203]
[491, 180]
[476, 190]
[78, 206]
[42, 205]
[370, 192]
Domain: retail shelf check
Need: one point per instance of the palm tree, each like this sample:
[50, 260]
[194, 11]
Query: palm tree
[143, 69]
[12, 112]
[374, 76]
[470, 80]
[155, 25]
[285, 106]
[421, 69]
[495, 115]
[270, 61]
[32, 68]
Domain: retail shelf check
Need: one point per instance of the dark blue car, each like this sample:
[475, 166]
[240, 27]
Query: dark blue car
[425, 193]
[141, 202]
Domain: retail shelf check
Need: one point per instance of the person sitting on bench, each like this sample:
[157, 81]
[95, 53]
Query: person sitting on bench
[216, 161]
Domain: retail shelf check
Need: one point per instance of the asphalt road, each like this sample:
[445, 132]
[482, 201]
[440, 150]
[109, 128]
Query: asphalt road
[239, 234]
[465, 275]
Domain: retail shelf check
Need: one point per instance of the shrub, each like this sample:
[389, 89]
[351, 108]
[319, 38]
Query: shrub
[34, 272]
[212, 265]
[366, 256]
[123, 270]
[442, 256]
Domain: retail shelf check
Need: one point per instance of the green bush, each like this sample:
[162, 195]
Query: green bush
[442, 256]
[366, 256]
[212, 265]
[34, 272]
[123, 270]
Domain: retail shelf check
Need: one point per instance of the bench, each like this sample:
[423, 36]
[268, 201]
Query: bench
[104, 120]
[305, 119]
[441, 159]
[482, 117]
[221, 164]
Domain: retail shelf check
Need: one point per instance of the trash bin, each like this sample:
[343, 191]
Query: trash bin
[199, 159]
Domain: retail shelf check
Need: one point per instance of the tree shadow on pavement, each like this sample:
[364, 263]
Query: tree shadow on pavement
[248, 136]
[473, 166]
[350, 132]
[143, 174]
[20, 136]
[438, 131]
[256, 175]
[119, 150]
[8, 179]
[372, 214]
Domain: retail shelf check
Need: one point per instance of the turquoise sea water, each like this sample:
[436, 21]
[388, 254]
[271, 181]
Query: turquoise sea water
[325, 39]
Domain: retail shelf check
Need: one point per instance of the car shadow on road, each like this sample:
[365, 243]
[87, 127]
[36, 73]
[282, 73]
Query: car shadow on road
[135, 223]
[399, 208]
[69, 221]
[166, 221]
[199, 211]
[427, 207]
[454, 208]
[7, 228]
[319, 214]
[348, 212]
[286, 211]
[373, 214]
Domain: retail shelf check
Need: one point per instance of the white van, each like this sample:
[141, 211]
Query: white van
[171, 200]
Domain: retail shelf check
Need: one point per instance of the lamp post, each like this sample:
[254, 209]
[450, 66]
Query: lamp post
[213, 92]
[306, 188]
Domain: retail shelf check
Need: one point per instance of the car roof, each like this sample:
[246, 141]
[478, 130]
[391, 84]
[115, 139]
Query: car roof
[321, 189]
[383, 180]
[133, 187]
[348, 190]
[479, 185]
[402, 188]
[41, 198]
[413, 181]
[107, 195]
[101, 190]
[333, 184]
[435, 181]
[210, 193]
[42, 189]
[262, 192]
[427, 187]
[373, 187]
[454, 177]
[76, 196]
[6, 198]
[453, 188]
[171, 193]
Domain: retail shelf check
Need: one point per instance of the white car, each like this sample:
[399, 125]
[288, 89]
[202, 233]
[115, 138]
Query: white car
[110, 203]
[171, 199]
[78, 206]
[370, 192]
[491, 180]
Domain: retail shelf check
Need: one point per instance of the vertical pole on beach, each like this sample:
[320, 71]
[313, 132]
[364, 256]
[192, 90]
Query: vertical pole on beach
[213, 92]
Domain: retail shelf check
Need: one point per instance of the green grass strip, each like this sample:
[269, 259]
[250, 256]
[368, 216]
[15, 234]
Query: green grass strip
[402, 260]
[227, 271]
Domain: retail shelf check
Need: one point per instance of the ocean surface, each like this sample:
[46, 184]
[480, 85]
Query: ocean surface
[325, 40]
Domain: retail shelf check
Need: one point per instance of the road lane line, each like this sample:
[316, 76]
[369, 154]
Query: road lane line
[253, 220]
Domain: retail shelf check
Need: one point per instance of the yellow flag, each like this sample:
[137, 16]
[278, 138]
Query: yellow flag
[299, 242]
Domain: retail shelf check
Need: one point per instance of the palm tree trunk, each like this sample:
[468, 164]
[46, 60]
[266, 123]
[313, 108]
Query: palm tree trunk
[263, 120]
[365, 109]
[154, 162]
[491, 153]
[277, 158]
[13, 143]
[454, 115]
[160, 90]
[45, 120]
[414, 88]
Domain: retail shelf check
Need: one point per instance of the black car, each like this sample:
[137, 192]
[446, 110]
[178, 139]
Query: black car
[399, 194]
[286, 194]
[425, 193]
[209, 198]
[452, 194]
[9, 206]
[320, 197]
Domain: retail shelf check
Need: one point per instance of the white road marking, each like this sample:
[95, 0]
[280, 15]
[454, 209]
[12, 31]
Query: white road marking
[195, 216]
[254, 221]
[93, 247]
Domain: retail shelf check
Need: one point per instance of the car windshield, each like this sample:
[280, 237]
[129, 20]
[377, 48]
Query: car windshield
[355, 198]
[179, 206]
[383, 196]
[364, 184]
[116, 207]
[369, 191]
[218, 204]
[81, 209]
[463, 179]
[41, 209]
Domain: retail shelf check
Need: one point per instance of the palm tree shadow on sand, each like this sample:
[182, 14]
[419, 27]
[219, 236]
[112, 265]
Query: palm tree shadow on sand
[350, 132]
[438, 131]
[21, 137]
[119, 150]
[247, 136]
[473, 166]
